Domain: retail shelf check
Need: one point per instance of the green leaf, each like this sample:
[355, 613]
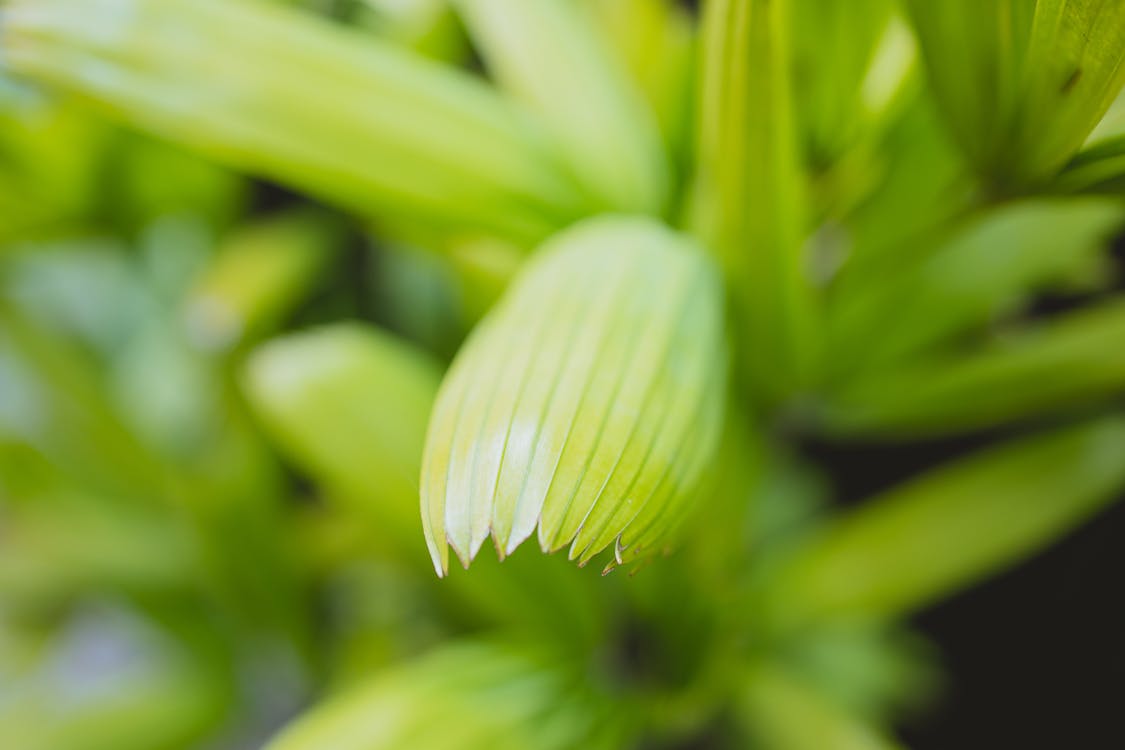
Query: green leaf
[465, 696]
[1073, 360]
[1022, 82]
[920, 186]
[991, 264]
[829, 97]
[951, 527]
[147, 692]
[656, 41]
[282, 94]
[50, 162]
[782, 713]
[350, 404]
[586, 403]
[258, 274]
[747, 204]
[875, 670]
[548, 54]
[1098, 169]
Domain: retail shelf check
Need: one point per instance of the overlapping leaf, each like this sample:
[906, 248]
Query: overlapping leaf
[279, 93]
[1075, 360]
[748, 204]
[549, 55]
[990, 265]
[586, 403]
[465, 696]
[1022, 82]
[894, 554]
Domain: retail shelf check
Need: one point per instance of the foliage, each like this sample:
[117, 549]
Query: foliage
[587, 270]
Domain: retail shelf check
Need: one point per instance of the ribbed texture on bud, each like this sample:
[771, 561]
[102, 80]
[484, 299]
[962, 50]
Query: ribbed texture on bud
[586, 403]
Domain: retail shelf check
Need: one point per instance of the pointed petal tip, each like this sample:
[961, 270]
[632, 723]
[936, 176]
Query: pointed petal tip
[463, 555]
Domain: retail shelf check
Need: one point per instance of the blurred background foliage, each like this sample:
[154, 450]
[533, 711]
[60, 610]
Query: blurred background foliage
[240, 244]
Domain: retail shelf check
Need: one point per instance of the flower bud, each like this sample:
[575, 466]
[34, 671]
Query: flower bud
[590, 399]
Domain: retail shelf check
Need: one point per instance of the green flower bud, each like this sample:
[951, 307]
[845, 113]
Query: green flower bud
[586, 403]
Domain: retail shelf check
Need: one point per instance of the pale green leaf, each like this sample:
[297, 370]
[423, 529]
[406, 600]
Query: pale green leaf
[747, 204]
[351, 405]
[656, 41]
[259, 273]
[951, 527]
[548, 54]
[465, 696]
[285, 95]
[989, 265]
[585, 403]
[1074, 360]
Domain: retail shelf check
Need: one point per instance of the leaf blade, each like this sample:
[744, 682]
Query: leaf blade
[891, 555]
[436, 145]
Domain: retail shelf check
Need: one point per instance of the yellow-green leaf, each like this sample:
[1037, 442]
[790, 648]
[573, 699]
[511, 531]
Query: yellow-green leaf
[894, 553]
[258, 274]
[1022, 82]
[586, 402]
[747, 202]
[1074, 360]
[464, 696]
[548, 54]
[314, 389]
[289, 96]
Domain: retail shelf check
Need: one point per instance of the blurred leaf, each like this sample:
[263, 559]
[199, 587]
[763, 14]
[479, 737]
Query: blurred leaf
[1112, 125]
[428, 27]
[484, 268]
[872, 670]
[1022, 82]
[50, 157]
[425, 297]
[152, 180]
[586, 403]
[846, 111]
[73, 418]
[952, 526]
[920, 186]
[1098, 169]
[111, 681]
[782, 713]
[747, 204]
[60, 550]
[464, 696]
[548, 55]
[282, 94]
[350, 404]
[656, 41]
[141, 424]
[259, 273]
[1074, 359]
[829, 97]
[990, 264]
